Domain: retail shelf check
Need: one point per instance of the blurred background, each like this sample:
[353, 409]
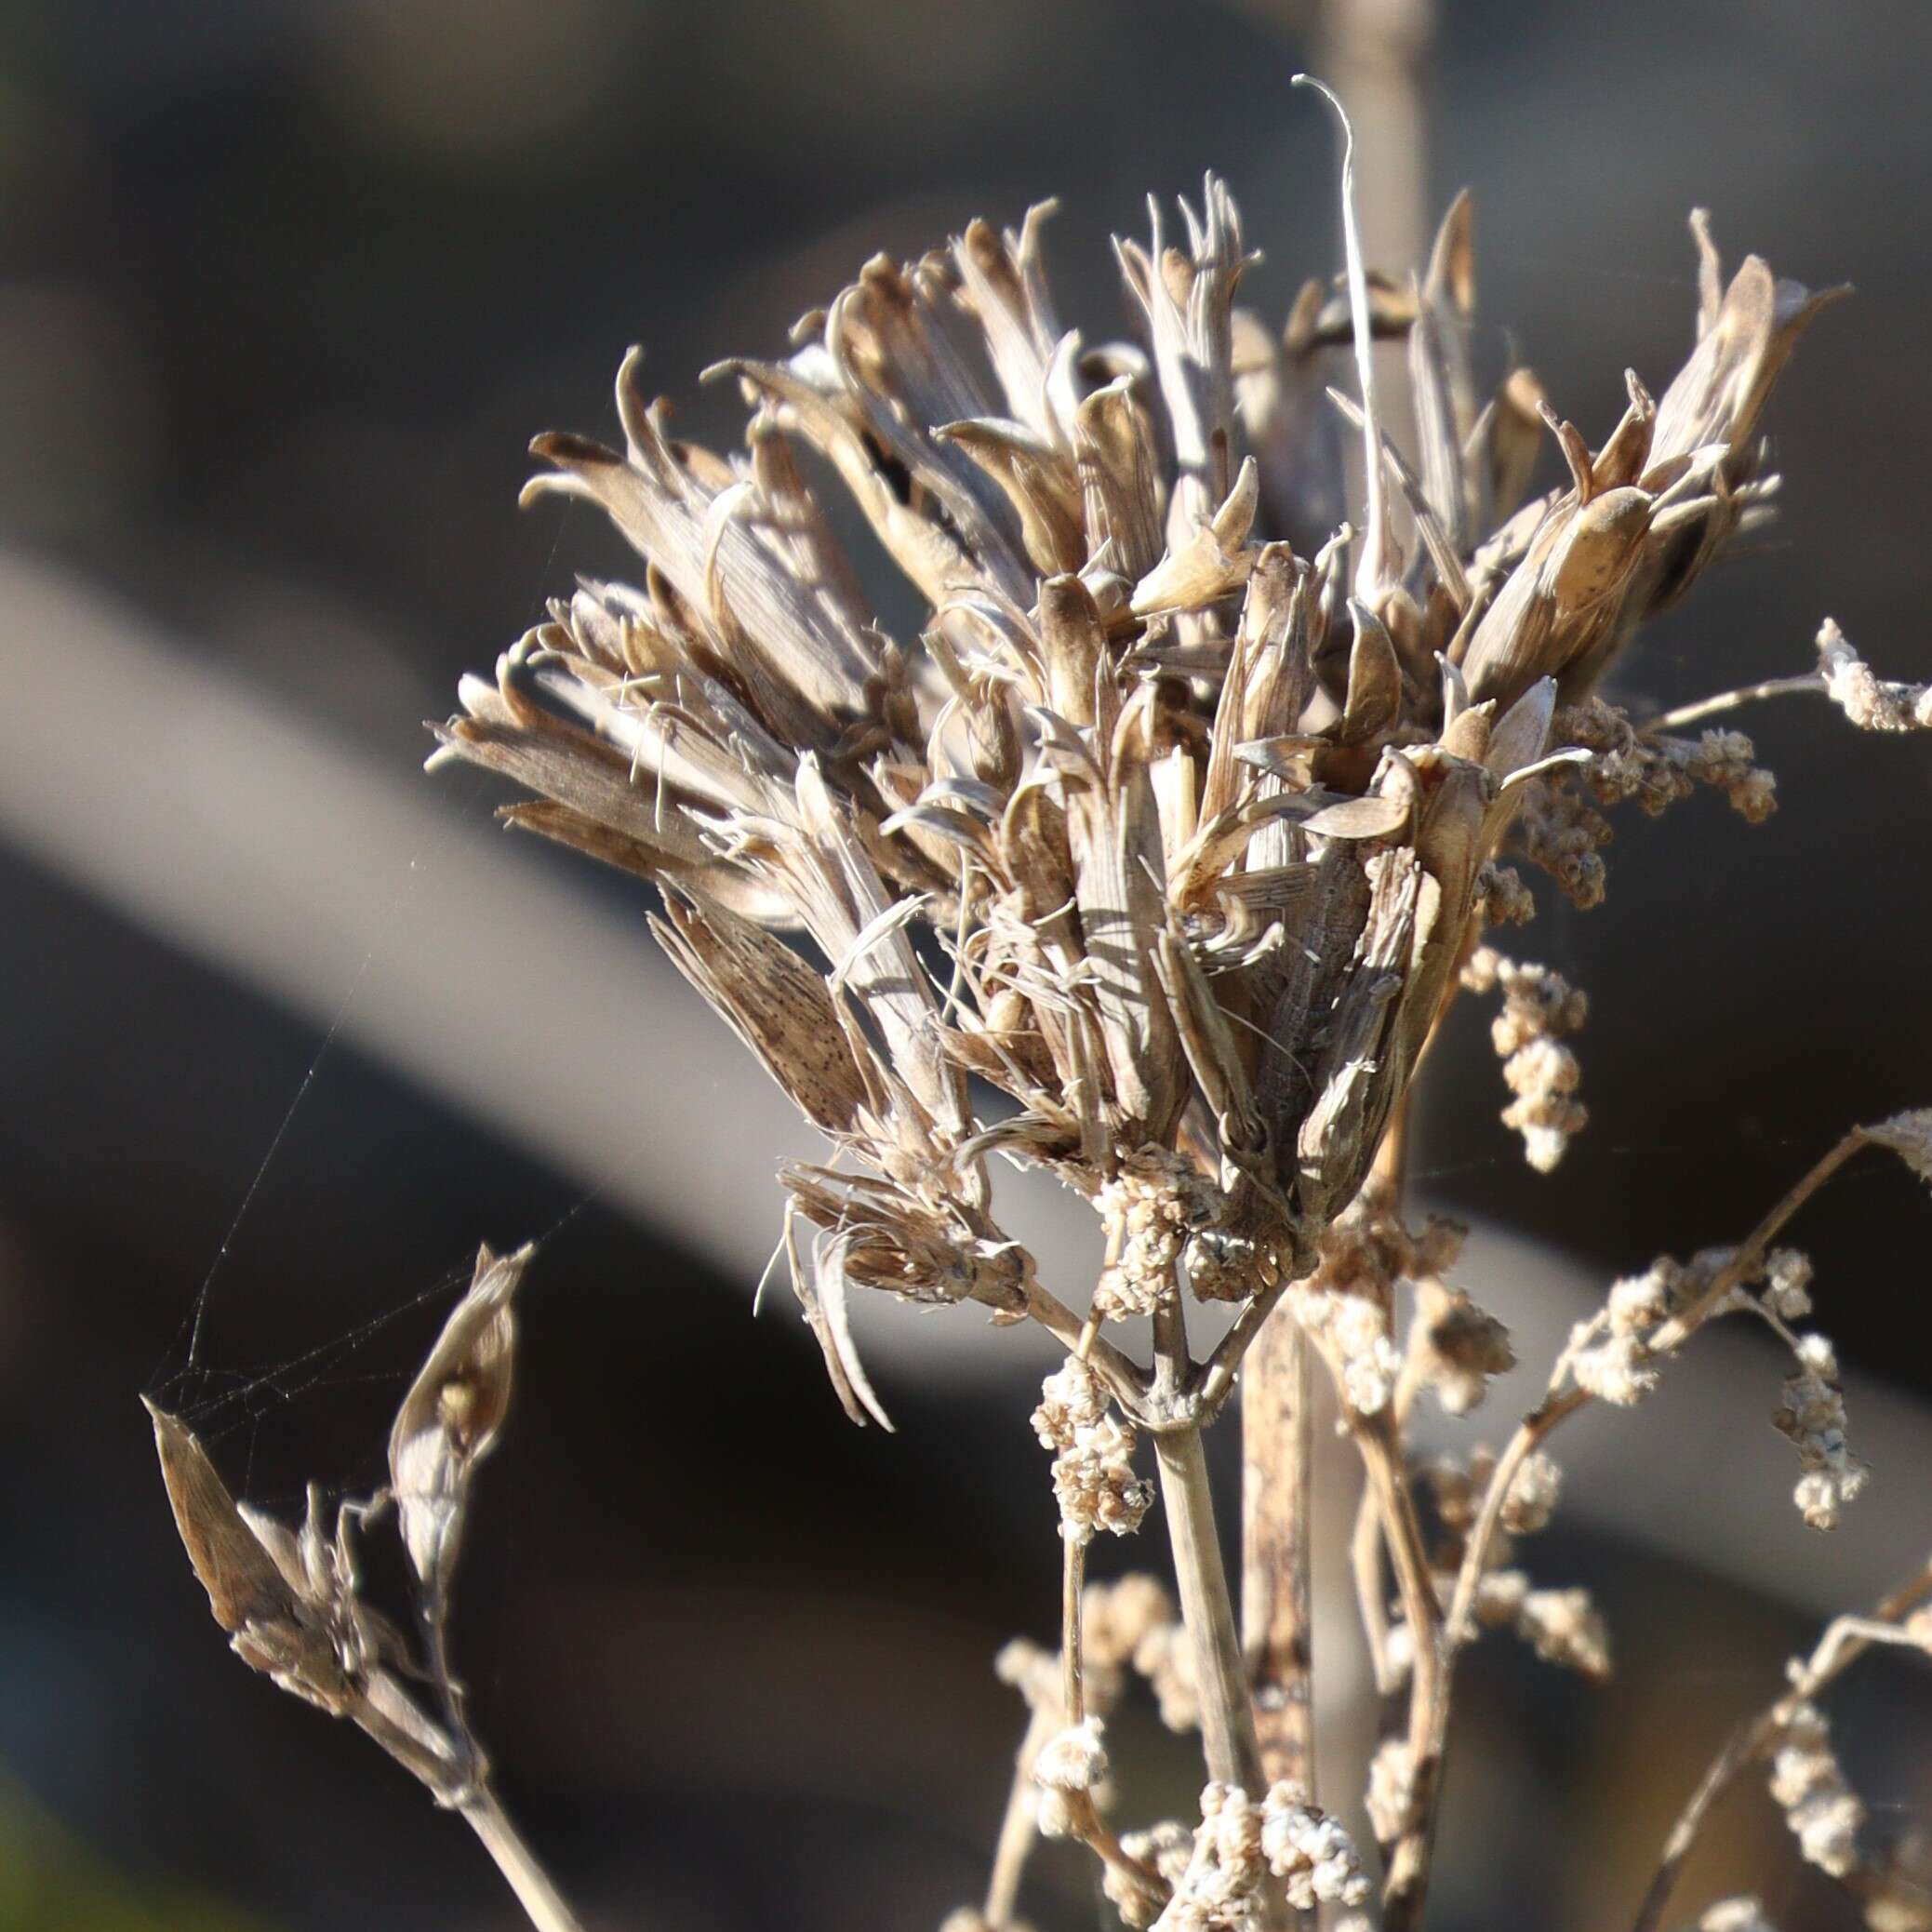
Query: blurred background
[284, 286]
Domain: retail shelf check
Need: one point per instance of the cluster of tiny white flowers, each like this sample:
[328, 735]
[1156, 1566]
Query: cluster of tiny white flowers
[1467, 1345]
[1354, 1331]
[1543, 1076]
[1458, 1490]
[1532, 1496]
[1808, 1785]
[1226, 1266]
[1506, 899]
[1148, 1209]
[1812, 1414]
[1540, 1007]
[1390, 1797]
[1093, 1464]
[1219, 1871]
[1560, 831]
[1657, 772]
[1564, 1627]
[1165, 1849]
[1073, 1759]
[1117, 1618]
[1033, 1672]
[1616, 1366]
[1310, 1851]
[1166, 1657]
[1870, 703]
[1218, 1888]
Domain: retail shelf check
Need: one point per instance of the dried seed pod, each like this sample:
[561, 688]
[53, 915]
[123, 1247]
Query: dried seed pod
[449, 1419]
[274, 1628]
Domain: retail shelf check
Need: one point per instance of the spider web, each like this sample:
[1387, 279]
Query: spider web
[220, 1400]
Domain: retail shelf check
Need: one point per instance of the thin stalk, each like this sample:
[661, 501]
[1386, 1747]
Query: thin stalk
[1277, 1497]
[1018, 1826]
[1071, 1648]
[1233, 1751]
[1406, 1881]
[540, 1898]
[1730, 701]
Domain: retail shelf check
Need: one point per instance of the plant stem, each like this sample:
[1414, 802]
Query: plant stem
[540, 1898]
[1277, 1638]
[1020, 1824]
[1233, 1751]
[1406, 1883]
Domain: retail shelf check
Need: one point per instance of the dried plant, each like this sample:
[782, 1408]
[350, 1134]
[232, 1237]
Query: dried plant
[1153, 864]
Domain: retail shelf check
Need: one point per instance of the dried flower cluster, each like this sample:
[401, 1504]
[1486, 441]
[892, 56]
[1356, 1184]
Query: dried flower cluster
[1193, 801]
[1151, 857]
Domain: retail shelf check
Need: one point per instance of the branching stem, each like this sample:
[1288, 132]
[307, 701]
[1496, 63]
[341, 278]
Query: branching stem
[1843, 1643]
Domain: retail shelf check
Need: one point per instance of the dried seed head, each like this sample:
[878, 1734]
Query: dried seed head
[1174, 833]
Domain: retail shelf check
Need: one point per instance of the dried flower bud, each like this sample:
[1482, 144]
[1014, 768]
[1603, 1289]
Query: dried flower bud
[1910, 1137]
[1310, 1851]
[1812, 1414]
[1506, 899]
[1466, 1346]
[1564, 1627]
[1822, 1811]
[1787, 1284]
[1073, 1759]
[449, 1419]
